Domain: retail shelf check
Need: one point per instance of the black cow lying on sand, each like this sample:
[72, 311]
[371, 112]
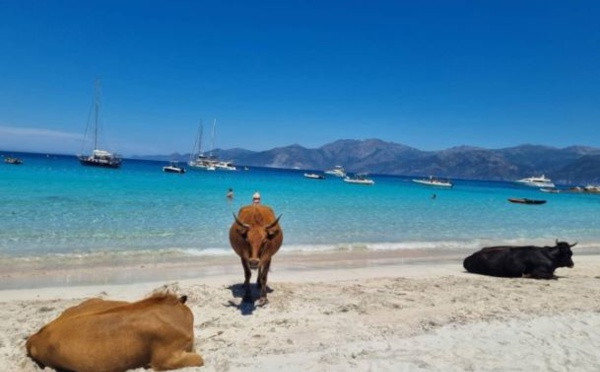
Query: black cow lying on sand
[514, 261]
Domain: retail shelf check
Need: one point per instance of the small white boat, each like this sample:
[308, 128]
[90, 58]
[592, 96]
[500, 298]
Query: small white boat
[337, 171]
[432, 181]
[314, 176]
[173, 168]
[225, 165]
[13, 160]
[359, 179]
[536, 181]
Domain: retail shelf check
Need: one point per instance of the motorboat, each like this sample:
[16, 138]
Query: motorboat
[337, 171]
[314, 176]
[225, 165]
[541, 181]
[173, 168]
[13, 160]
[359, 179]
[526, 201]
[98, 157]
[433, 181]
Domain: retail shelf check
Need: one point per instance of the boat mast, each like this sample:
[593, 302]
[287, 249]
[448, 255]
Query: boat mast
[96, 109]
[197, 150]
[212, 144]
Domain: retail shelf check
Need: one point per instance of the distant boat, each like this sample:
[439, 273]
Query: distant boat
[198, 160]
[551, 190]
[173, 168]
[314, 176]
[337, 171]
[432, 181]
[98, 157]
[225, 165]
[359, 179]
[526, 201]
[201, 161]
[13, 160]
[541, 181]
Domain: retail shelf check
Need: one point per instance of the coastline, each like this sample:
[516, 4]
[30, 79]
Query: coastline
[119, 271]
[173, 268]
[349, 311]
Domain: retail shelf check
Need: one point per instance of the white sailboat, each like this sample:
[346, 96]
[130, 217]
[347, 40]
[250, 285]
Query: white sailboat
[198, 160]
[98, 157]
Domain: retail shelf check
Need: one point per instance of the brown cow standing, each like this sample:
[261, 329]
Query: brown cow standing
[256, 236]
[115, 336]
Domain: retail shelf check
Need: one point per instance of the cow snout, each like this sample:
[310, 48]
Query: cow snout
[253, 263]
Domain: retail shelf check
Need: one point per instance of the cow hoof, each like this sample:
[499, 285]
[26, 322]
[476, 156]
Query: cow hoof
[263, 301]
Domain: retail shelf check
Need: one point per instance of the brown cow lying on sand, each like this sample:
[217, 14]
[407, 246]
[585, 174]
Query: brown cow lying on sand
[256, 236]
[114, 336]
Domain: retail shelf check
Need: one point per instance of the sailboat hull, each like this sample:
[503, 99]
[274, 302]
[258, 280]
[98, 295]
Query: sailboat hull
[103, 163]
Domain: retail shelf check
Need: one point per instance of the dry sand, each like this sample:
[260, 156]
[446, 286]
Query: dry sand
[357, 312]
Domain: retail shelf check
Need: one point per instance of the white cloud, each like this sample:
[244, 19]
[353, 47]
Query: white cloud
[39, 140]
[38, 133]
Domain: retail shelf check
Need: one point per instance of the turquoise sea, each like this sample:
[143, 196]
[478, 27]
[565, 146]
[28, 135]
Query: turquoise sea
[52, 208]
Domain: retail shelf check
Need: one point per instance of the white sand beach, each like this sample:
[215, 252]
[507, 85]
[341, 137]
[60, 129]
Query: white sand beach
[371, 313]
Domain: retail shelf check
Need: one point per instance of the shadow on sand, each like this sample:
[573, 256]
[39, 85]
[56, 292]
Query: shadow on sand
[245, 305]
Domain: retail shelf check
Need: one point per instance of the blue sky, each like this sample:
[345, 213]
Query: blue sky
[427, 74]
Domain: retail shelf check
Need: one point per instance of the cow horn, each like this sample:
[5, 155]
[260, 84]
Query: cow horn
[572, 245]
[274, 222]
[240, 222]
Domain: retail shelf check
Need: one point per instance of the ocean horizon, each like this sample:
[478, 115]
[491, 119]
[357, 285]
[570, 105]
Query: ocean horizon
[56, 211]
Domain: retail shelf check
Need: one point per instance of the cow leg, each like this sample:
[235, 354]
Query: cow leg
[247, 274]
[262, 282]
[542, 274]
[175, 360]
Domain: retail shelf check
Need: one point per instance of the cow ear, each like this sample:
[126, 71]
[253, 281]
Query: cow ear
[272, 233]
[243, 231]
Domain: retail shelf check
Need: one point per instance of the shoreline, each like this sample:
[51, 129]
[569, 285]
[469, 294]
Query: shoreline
[120, 272]
[203, 267]
[370, 312]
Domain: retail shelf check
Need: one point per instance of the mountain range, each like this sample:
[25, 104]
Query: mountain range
[569, 165]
